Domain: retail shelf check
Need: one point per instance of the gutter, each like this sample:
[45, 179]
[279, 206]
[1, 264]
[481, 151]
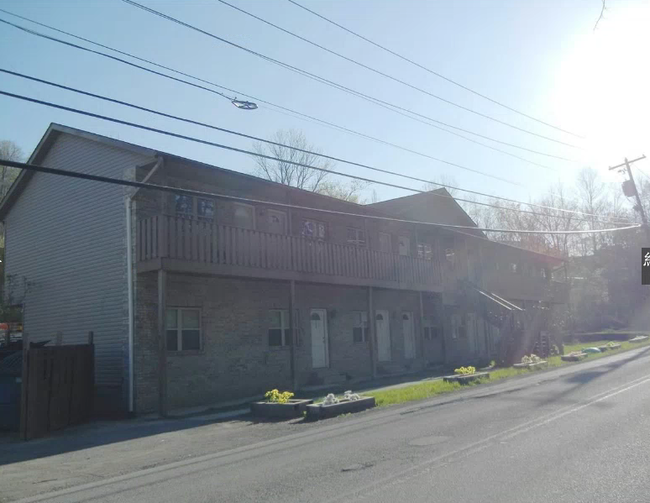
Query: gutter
[129, 275]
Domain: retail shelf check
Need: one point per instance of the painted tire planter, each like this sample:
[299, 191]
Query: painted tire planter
[532, 366]
[603, 348]
[613, 347]
[573, 358]
[639, 338]
[293, 408]
[466, 378]
[321, 411]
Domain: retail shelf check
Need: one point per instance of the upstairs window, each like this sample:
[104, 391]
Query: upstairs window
[184, 205]
[313, 229]
[205, 209]
[356, 236]
[188, 206]
[450, 255]
[243, 216]
[425, 251]
[385, 244]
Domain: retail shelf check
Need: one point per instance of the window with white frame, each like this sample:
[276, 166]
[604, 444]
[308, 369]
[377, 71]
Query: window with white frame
[385, 244]
[360, 329]
[313, 229]
[279, 328]
[450, 255]
[205, 209]
[184, 205]
[188, 206]
[243, 216]
[430, 328]
[356, 236]
[183, 329]
[425, 251]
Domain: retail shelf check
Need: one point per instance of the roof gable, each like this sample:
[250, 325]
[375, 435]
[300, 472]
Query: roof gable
[436, 206]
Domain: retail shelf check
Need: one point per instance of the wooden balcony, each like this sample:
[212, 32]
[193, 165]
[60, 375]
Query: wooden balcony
[513, 286]
[197, 247]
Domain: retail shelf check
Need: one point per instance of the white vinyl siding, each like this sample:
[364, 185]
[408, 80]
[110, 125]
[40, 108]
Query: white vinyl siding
[67, 237]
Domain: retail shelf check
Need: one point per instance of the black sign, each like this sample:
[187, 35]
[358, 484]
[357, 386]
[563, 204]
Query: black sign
[645, 266]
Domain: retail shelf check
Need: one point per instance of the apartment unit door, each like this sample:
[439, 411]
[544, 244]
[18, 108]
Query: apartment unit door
[409, 335]
[382, 326]
[319, 338]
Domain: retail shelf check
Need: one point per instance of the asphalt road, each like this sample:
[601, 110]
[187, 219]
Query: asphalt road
[576, 434]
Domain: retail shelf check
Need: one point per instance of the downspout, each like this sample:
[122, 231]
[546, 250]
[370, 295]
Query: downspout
[129, 276]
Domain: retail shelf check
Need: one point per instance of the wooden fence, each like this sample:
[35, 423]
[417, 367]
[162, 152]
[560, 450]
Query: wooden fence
[206, 242]
[57, 387]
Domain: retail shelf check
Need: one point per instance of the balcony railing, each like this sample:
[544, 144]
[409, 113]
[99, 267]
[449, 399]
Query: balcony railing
[168, 237]
[519, 286]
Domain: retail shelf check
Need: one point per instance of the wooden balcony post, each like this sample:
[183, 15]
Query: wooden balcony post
[294, 338]
[162, 343]
[371, 333]
[421, 331]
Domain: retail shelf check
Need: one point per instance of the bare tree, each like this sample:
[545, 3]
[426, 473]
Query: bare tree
[350, 192]
[593, 200]
[9, 151]
[280, 171]
[281, 168]
[440, 181]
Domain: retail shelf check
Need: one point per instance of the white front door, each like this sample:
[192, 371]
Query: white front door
[319, 340]
[409, 335]
[382, 326]
[277, 221]
[404, 246]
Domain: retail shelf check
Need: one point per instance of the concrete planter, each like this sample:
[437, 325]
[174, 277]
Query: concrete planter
[467, 378]
[531, 366]
[320, 411]
[293, 408]
[573, 358]
[639, 338]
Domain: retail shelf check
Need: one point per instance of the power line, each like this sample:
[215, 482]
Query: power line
[386, 75]
[336, 85]
[333, 158]
[190, 192]
[257, 99]
[451, 81]
[264, 156]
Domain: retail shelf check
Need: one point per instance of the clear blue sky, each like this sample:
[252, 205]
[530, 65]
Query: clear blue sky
[542, 57]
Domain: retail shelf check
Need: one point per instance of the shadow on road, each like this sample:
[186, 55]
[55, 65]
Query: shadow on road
[99, 433]
[582, 378]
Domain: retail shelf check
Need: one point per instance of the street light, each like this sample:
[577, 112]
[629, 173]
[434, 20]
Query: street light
[244, 105]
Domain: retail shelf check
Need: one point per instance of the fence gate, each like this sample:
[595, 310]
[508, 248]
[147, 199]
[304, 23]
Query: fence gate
[58, 385]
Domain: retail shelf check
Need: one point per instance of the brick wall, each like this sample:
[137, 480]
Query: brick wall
[236, 360]
[348, 360]
[397, 303]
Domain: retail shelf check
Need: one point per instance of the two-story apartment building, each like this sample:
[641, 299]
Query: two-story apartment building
[203, 298]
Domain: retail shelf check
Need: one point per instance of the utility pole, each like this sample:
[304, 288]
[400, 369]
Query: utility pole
[634, 191]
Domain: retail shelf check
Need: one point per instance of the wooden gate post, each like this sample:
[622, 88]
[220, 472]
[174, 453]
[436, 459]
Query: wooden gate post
[23, 388]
